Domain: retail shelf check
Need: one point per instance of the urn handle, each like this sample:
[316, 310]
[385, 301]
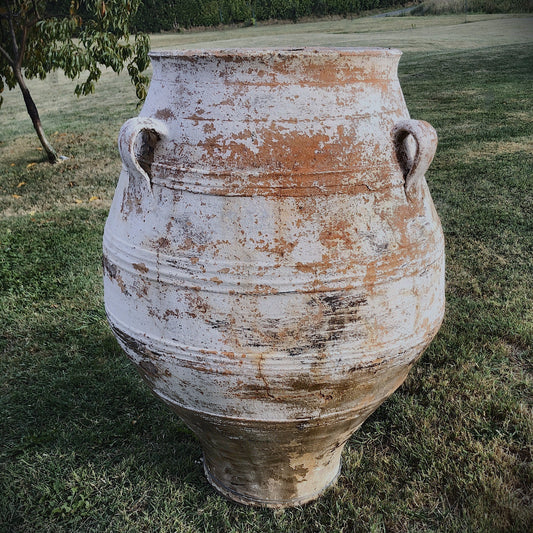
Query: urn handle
[414, 166]
[137, 152]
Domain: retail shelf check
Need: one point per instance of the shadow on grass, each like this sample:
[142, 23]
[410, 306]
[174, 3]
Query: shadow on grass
[77, 393]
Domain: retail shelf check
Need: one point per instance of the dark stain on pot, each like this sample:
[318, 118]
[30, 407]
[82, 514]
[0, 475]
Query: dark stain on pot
[135, 345]
[164, 114]
[140, 267]
[163, 242]
[342, 311]
[111, 271]
[193, 237]
[367, 367]
[326, 320]
[109, 268]
[149, 368]
[223, 325]
[296, 350]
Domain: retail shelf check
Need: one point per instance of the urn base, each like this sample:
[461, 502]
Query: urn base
[272, 464]
[308, 491]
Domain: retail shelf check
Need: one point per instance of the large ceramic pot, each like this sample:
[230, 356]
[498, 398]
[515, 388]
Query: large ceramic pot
[273, 261]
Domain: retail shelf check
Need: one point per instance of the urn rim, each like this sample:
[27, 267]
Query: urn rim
[281, 52]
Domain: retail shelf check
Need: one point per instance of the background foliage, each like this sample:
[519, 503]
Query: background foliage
[38, 37]
[440, 7]
[75, 37]
[163, 15]
[157, 15]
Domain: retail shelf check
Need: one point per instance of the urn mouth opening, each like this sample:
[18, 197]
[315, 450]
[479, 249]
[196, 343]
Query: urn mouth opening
[281, 52]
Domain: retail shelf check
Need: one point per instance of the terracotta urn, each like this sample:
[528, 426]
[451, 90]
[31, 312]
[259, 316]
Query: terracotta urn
[273, 262]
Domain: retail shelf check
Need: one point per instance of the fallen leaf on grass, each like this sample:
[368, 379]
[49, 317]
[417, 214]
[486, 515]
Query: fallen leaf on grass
[78, 201]
[21, 184]
[12, 164]
[17, 196]
[29, 165]
[93, 198]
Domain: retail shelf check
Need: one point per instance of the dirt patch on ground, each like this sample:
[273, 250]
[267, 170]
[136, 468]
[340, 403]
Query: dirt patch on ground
[496, 148]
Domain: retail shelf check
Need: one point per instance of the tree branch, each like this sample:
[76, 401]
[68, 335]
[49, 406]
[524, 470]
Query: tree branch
[3, 51]
[12, 30]
[31, 23]
[22, 49]
[36, 10]
[6, 55]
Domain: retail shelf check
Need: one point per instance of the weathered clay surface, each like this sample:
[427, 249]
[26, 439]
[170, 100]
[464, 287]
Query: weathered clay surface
[273, 263]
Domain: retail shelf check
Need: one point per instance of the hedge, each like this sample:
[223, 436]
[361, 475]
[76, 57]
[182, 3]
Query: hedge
[165, 15]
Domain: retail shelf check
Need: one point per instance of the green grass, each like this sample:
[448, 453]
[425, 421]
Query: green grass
[85, 447]
[439, 7]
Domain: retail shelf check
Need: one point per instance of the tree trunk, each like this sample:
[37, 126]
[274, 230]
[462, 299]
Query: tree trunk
[34, 115]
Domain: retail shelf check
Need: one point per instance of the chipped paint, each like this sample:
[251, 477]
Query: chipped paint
[273, 262]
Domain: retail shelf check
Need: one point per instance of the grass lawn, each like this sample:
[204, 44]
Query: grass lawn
[84, 445]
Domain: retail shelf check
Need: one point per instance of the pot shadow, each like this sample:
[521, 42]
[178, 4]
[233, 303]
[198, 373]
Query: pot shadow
[87, 402]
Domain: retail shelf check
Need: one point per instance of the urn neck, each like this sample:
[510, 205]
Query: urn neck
[306, 66]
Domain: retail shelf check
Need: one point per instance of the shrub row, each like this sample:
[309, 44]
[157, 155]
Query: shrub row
[165, 15]
[443, 7]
